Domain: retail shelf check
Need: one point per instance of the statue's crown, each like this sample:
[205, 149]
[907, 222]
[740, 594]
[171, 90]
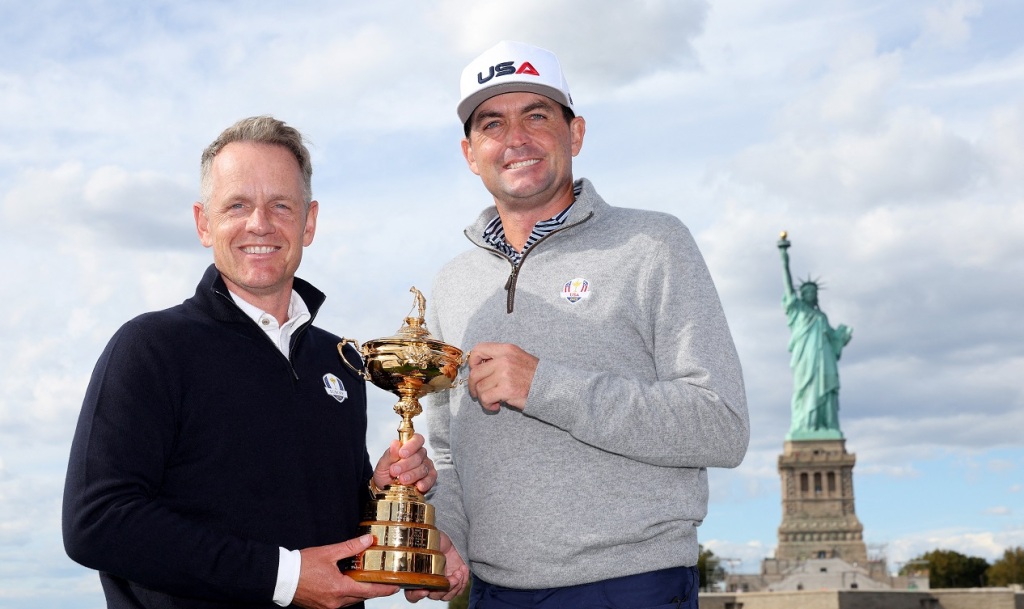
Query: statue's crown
[817, 283]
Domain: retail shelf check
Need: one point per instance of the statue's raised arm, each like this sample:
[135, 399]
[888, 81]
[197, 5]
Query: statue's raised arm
[784, 251]
[816, 348]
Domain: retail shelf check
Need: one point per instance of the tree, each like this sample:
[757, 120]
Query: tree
[950, 569]
[708, 567]
[1009, 569]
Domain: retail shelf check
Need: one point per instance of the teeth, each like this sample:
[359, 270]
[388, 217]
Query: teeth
[519, 164]
[259, 249]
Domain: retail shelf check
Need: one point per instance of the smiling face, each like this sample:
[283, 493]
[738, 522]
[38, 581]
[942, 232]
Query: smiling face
[256, 221]
[522, 147]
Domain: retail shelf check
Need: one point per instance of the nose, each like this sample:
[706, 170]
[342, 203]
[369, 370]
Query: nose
[516, 134]
[259, 221]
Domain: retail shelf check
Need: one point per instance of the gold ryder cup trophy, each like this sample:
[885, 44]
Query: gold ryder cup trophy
[409, 364]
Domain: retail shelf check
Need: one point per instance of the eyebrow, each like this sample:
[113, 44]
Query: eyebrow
[535, 105]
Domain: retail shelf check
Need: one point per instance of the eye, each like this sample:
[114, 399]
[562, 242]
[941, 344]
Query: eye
[283, 209]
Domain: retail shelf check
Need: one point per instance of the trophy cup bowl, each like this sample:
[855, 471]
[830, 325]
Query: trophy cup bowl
[410, 364]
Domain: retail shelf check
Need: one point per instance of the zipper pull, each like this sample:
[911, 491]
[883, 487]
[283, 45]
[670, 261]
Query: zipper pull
[510, 288]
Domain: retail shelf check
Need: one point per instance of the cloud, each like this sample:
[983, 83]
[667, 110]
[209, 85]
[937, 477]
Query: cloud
[79, 208]
[26, 501]
[605, 46]
[41, 398]
[987, 545]
[906, 157]
[949, 25]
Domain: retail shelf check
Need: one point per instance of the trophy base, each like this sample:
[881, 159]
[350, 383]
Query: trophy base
[403, 580]
[405, 551]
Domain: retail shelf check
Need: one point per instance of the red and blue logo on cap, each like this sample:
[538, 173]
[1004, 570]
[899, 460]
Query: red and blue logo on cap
[507, 68]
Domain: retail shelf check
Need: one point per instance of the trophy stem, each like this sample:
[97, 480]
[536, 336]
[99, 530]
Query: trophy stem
[405, 429]
[408, 407]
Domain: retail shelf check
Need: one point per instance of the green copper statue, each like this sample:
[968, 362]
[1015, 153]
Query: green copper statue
[816, 348]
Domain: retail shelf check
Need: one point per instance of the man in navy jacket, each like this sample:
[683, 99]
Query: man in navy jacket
[220, 456]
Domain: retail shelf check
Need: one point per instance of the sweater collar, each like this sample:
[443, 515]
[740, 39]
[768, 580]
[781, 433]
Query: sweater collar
[587, 203]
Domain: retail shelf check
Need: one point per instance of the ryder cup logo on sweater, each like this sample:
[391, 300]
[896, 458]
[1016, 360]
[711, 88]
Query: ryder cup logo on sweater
[576, 290]
[334, 387]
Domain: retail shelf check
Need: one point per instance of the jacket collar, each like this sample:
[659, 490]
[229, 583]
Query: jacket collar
[587, 203]
[213, 293]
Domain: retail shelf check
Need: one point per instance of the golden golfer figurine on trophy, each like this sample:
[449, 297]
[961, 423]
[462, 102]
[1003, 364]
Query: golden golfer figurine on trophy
[409, 364]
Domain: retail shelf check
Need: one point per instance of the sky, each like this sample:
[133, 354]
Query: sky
[886, 137]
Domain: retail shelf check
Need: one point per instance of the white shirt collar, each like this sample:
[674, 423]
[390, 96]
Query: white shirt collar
[279, 334]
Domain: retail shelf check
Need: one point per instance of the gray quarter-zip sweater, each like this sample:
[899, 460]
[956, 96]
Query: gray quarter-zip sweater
[638, 391]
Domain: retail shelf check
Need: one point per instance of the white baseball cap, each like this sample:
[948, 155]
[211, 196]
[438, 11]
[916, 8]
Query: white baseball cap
[510, 67]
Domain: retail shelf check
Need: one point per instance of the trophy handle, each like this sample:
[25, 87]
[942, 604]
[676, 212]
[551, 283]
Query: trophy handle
[364, 373]
[459, 379]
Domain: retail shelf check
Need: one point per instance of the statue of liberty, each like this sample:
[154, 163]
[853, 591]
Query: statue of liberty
[816, 348]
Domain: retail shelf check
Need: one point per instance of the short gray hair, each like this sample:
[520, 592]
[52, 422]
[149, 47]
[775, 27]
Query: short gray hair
[260, 130]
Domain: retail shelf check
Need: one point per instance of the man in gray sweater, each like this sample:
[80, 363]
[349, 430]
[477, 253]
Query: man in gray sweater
[603, 379]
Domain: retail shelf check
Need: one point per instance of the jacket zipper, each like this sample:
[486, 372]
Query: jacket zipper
[294, 340]
[513, 277]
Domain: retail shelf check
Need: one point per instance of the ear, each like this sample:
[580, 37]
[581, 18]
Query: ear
[310, 229]
[467, 152]
[202, 224]
[577, 129]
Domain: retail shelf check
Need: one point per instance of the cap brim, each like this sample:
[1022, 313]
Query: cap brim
[469, 105]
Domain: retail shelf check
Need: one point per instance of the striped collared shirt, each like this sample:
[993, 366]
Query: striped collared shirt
[494, 232]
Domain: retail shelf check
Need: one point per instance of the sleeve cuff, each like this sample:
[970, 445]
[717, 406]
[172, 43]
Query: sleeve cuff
[289, 565]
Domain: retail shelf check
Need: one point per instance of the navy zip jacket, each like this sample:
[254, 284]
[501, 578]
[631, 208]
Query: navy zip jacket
[201, 449]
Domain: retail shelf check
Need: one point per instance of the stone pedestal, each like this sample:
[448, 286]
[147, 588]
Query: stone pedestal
[818, 516]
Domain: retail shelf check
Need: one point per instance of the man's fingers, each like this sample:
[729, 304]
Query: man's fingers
[479, 374]
[411, 447]
[353, 546]
[480, 354]
[423, 476]
[487, 392]
[405, 463]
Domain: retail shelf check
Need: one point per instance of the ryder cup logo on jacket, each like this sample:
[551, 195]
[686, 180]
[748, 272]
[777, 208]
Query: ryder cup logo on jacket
[576, 290]
[334, 387]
